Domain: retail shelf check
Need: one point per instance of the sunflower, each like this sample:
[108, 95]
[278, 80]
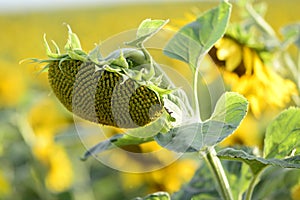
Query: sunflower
[245, 72]
[13, 84]
[5, 187]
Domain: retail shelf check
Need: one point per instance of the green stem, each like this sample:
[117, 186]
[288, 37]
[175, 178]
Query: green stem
[195, 87]
[261, 22]
[216, 168]
[252, 185]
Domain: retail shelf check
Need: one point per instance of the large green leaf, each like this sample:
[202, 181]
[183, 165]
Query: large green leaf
[282, 135]
[258, 163]
[194, 40]
[230, 110]
[276, 183]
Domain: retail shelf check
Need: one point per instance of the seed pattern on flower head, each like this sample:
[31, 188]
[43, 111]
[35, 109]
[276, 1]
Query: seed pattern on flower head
[103, 97]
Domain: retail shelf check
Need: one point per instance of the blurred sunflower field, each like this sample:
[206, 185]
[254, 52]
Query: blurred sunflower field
[40, 148]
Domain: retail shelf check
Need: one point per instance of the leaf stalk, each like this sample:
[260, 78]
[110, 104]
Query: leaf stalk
[215, 166]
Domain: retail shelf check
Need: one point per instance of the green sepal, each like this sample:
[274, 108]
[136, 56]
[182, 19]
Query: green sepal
[72, 48]
[95, 55]
[73, 42]
[48, 49]
[121, 61]
[160, 91]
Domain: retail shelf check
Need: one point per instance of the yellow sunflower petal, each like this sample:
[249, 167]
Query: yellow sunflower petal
[256, 105]
[248, 60]
[247, 134]
[230, 52]
[234, 59]
[60, 175]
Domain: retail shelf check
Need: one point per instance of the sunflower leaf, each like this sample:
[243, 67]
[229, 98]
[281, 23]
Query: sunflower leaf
[282, 135]
[194, 40]
[230, 110]
[255, 163]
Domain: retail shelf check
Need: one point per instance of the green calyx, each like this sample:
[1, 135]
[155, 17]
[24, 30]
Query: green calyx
[72, 48]
[130, 63]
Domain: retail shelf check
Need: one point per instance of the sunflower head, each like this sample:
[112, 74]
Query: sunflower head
[121, 90]
[244, 71]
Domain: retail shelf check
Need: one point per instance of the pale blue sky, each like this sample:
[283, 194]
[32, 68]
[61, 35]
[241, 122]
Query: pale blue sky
[29, 5]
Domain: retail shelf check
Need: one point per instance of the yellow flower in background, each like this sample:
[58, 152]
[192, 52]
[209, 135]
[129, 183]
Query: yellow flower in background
[60, 174]
[5, 187]
[169, 179]
[267, 92]
[246, 134]
[296, 192]
[173, 176]
[245, 72]
[230, 51]
[46, 121]
[46, 117]
[12, 85]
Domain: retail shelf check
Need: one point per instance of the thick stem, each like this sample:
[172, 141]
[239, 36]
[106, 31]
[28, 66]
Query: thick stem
[216, 168]
[252, 185]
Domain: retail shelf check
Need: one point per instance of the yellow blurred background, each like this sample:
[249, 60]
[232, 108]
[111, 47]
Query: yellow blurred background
[39, 149]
